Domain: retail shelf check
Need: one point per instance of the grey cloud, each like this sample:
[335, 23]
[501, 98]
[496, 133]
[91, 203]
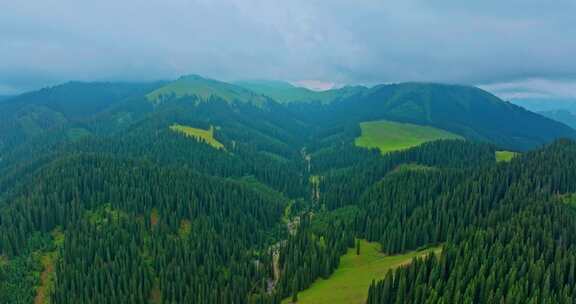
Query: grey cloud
[365, 41]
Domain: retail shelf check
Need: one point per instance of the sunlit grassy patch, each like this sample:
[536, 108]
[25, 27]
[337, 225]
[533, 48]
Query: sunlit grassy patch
[389, 136]
[350, 282]
[505, 155]
[206, 136]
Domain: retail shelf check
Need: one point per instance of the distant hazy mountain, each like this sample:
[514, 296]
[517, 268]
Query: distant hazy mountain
[559, 109]
[284, 92]
[563, 116]
[271, 116]
[546, 104]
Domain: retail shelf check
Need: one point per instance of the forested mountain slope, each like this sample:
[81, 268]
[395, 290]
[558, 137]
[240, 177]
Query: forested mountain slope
[61, 111]
[110, 203]
[205, 89]
[511, 241]
[467, 111]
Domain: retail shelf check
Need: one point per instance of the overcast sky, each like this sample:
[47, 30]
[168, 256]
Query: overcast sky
[512, 47]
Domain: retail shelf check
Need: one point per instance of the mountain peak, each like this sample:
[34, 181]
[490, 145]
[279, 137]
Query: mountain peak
[205, 89]
[191, 77]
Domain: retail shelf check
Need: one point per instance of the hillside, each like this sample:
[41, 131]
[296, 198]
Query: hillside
[466, 111]
[77, 100]
[4, 97]
[32, 117]
[212, 193]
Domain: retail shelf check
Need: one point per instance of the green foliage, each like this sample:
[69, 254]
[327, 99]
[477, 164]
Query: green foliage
[18, 277]
[511, 241]
[569, 199]
[128, 211]
[224, 221]
[412, 167]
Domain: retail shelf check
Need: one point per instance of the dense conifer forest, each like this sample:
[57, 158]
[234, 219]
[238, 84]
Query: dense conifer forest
[116, 207]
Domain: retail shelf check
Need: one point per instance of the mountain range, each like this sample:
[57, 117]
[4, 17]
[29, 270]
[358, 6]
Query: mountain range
[279, 109]
[202, 191]
[559, 109]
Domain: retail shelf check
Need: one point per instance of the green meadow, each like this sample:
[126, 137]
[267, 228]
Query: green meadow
[350, 282]
[503, 156]
[389, 136]
[198, 134]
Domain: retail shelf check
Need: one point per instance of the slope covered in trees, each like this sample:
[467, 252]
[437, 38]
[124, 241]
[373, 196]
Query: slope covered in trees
[132, 212]
[512, 241]
[466, 111]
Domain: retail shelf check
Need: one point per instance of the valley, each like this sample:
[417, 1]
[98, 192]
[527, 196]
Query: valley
[287, 152]
[202, 191]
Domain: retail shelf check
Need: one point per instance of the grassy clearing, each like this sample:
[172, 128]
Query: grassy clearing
[206, 136]
[350, 282]
[389, 136]
[505, 156]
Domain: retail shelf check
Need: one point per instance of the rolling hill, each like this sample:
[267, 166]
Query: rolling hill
[204, 89]
[467, 111]
[200, 191]
[32, 117]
